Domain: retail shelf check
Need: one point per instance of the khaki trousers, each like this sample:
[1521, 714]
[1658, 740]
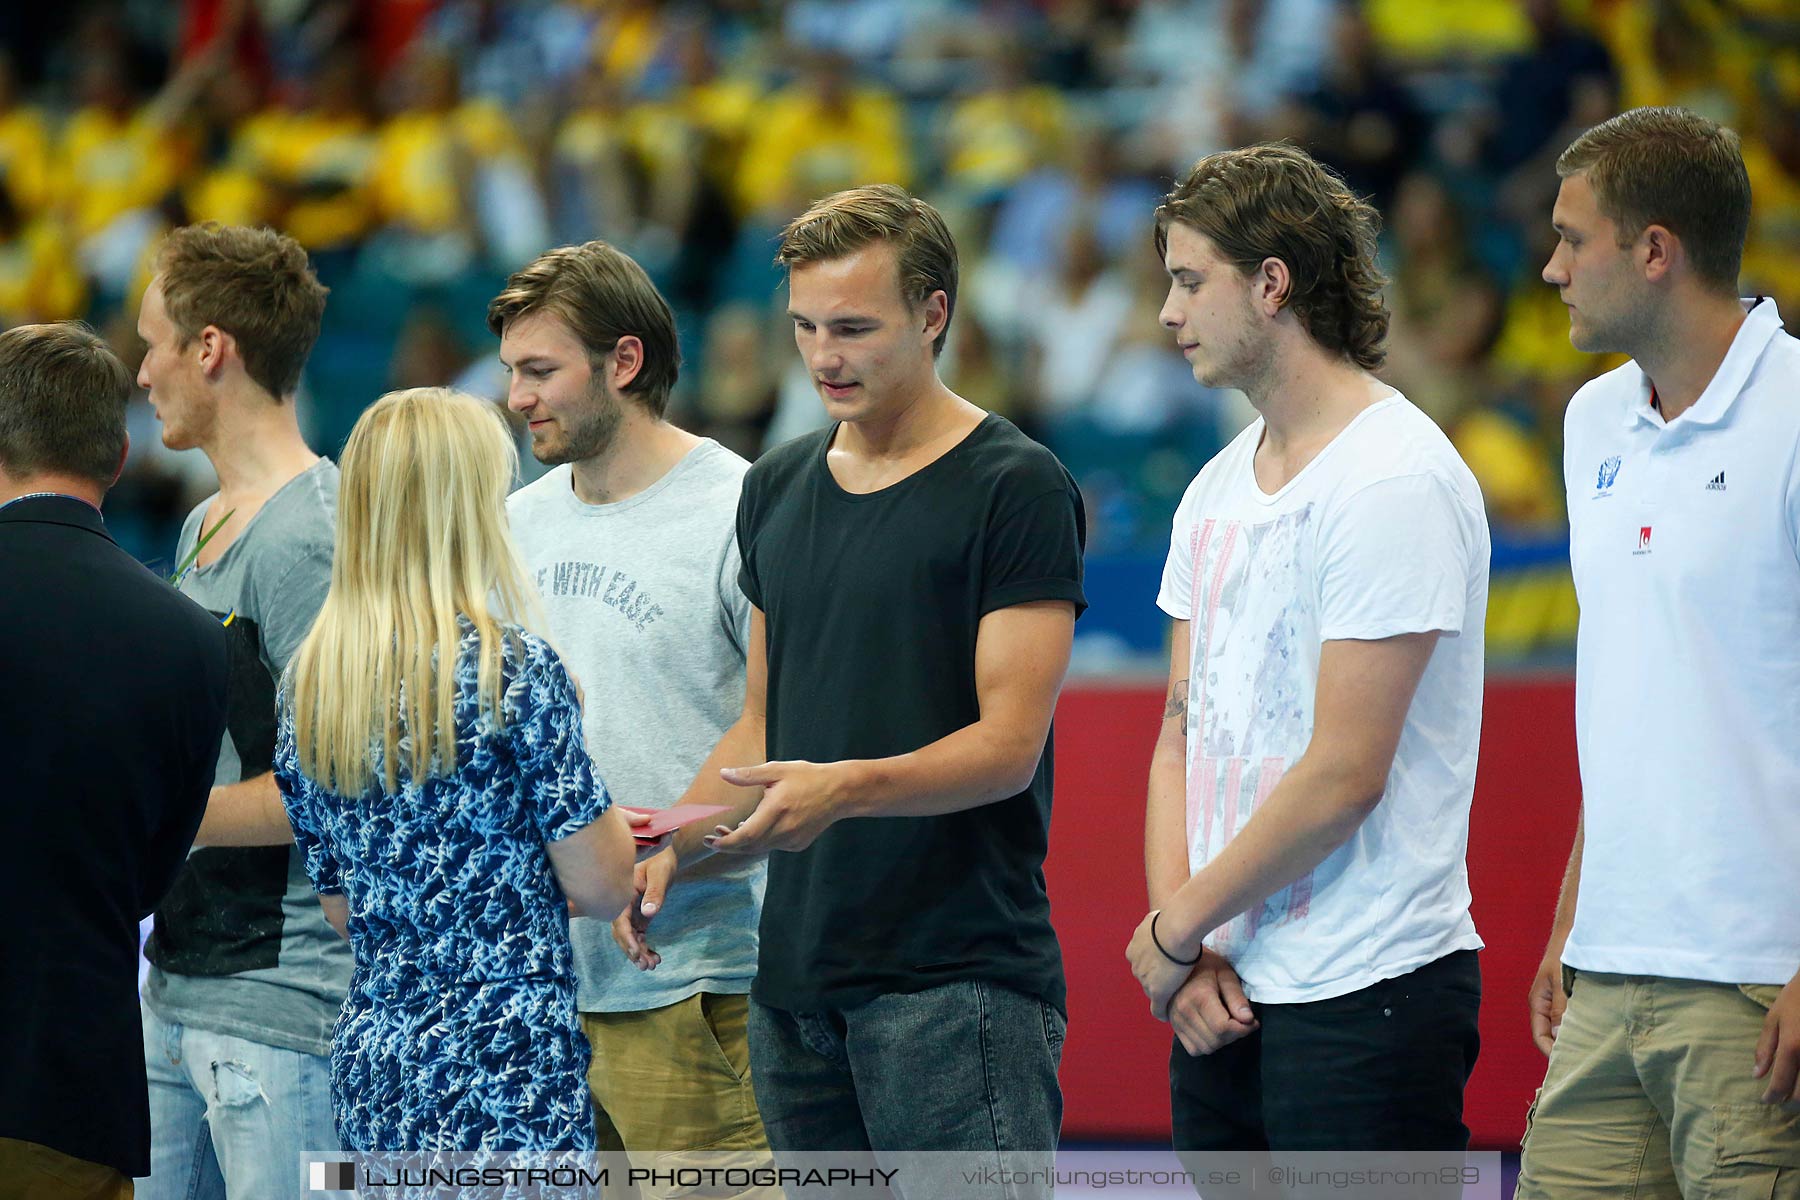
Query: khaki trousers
[1649, 1097]
[673, 1081]
[29, 1171]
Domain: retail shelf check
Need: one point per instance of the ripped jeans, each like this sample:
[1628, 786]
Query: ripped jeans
[229, 1118]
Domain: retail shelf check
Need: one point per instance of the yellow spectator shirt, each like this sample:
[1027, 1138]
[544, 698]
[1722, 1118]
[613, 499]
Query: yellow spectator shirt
[38, 279]
[110, 165]
[801, 150]
[995, 137]
[415, 177]
[320, 164]
[25, 158]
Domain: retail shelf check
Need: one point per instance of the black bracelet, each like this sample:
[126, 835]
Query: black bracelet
[1180, 962]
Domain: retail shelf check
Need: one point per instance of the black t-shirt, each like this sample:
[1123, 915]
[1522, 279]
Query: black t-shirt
[872, 604]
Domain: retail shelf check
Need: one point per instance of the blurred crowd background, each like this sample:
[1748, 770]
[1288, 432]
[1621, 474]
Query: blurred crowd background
[422, 150]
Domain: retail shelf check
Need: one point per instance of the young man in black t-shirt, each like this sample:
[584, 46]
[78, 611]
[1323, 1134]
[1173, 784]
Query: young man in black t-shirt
[915, 572]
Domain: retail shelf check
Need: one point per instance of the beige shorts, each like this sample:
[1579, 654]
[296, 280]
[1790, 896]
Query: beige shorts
[1649, 1096]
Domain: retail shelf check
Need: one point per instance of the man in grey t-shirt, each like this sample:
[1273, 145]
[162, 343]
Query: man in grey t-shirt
[631, 540]
[246, 976]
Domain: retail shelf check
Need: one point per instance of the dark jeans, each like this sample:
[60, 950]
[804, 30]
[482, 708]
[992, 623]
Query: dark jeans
[1382, 1068]
[967, 1067]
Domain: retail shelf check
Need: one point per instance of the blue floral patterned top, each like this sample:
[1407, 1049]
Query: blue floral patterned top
[460, 1031]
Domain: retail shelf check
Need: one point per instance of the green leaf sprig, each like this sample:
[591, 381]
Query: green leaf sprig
[194, 554]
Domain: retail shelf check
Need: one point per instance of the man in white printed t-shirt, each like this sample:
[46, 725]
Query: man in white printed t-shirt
[1674, 1055]
[1309, 794]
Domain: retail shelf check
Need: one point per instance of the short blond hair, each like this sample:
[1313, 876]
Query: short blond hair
[845, 222]
[254, 284]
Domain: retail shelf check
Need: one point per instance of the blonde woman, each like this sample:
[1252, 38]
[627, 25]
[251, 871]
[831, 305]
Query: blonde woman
[430, 756]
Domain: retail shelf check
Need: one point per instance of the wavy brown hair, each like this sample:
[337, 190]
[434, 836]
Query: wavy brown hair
[1274, 200]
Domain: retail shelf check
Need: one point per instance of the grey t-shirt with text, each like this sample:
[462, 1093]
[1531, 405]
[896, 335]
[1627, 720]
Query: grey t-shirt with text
[644, 608]
[241, 946]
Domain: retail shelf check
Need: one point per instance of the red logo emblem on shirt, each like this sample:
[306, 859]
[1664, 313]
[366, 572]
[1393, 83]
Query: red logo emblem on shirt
[1644, 538]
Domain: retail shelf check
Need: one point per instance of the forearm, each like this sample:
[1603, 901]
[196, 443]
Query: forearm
[1311, 812]
[976, 765]
[744, 744]
[1021, 657]
[1565, 901]
[1021, 654]
[245, 814]
[1165, 817]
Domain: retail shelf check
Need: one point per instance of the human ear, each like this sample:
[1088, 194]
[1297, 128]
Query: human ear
[627, 360]
[937, 314]
[1274, 284]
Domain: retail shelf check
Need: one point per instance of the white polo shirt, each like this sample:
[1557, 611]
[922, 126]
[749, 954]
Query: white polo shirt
[1685, 541]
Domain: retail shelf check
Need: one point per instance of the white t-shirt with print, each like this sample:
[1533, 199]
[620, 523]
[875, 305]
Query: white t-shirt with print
[1381, 534]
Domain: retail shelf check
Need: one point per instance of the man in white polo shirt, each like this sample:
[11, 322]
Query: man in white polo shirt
[1673, 1065]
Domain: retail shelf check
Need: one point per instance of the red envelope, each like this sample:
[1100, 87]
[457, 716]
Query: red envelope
[664, 821]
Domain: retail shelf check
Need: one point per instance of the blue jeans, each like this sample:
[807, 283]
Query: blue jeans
[229, 1118]
[967, 1066]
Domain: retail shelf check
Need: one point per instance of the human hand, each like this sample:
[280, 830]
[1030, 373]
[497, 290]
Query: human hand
[1158, 974]
[650, 879]
[800, 801]
[1547, 1000]
[1210, 1011]
[1778, 1049]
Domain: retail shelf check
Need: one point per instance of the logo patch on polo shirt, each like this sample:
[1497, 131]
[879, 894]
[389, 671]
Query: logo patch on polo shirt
[1717, 483]
[1609, 474]
[1643, 546]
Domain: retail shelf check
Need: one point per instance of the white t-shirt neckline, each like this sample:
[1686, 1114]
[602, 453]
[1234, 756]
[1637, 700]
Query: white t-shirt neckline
[682, 465]
[1393, 397]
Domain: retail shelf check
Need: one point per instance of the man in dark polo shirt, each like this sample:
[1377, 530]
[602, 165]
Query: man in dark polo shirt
[915, 575]
[112, 703]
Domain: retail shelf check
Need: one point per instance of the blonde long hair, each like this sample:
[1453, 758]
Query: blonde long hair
[422, 538]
